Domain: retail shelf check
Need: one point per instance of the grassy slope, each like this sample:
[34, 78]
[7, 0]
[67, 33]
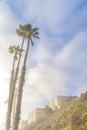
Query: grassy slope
[72, 116]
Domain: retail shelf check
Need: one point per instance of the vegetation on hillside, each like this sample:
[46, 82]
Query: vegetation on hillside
[72, 116]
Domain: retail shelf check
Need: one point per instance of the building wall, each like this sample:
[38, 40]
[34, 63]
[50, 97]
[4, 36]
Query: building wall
[36, 114]
[58, 102]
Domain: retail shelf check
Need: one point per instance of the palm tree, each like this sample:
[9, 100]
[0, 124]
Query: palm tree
[13, 50]
[30, 33]
[21, 33]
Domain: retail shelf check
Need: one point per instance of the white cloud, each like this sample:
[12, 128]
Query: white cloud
[74, 51]
[49, 80]
[40, 54]
[54, 16]
[72, 59]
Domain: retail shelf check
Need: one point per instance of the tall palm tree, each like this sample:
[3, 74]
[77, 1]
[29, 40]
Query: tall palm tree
[30, 33]
[13, 50]
[21, 33]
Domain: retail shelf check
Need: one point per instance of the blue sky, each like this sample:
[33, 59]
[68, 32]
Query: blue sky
[57, 63]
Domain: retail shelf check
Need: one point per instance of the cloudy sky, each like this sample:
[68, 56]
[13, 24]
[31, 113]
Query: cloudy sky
[57, 64]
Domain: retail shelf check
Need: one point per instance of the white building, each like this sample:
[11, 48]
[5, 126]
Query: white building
[58, 101]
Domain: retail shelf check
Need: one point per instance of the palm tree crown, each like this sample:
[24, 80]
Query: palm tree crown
[26, 31]
[15, 49]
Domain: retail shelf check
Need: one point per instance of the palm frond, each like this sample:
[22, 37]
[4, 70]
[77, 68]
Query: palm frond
[21, 27]
[27, 27]
[36, 33]
[19, 32]
[32, 42]
[35, 29]
[11, 49]
[36, 36]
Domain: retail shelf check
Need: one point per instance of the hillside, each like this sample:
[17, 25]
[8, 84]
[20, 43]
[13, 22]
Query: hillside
[72, 116]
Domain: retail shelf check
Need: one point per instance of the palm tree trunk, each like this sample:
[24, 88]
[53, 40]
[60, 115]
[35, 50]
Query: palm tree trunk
[20, 90]
[11, 92]
[14, 105]
[8, 117]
